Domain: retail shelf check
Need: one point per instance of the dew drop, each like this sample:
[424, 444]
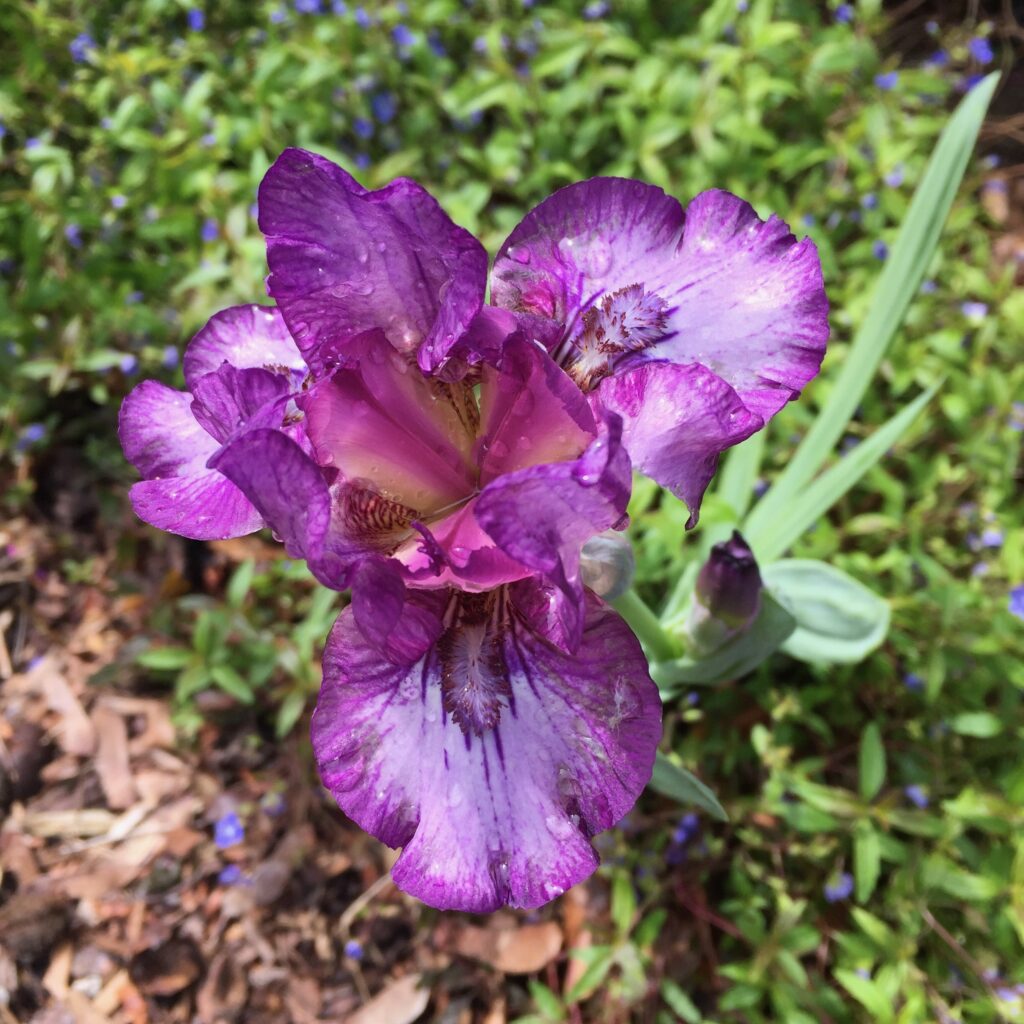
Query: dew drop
[519, 253]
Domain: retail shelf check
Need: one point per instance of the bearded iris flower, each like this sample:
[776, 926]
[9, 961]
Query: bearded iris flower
[447, 460]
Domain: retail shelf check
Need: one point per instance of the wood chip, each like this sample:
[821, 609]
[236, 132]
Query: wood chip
[223, 994]
[112, 765]
[57, 979]
[511, 950]
[75, 732]
[401, 1002]
[167, 969]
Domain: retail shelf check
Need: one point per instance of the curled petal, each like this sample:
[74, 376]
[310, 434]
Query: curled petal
[492, 759]
[732, 292]
[541, 515]
[245, 337]
[162, 439]
[345, 260]
[229, 399]
[676, 421]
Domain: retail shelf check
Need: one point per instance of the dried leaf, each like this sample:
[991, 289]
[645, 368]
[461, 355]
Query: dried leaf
[167, 969]
[511, 950]
[32, 921]
[400, 1003]
[75, 733]
[111, 762]
[223, 994]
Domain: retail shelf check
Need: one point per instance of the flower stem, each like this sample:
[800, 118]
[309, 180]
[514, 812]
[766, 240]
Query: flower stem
[646, 625]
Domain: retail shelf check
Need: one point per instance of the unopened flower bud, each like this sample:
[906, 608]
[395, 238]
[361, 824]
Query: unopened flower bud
[727, 597]
[607, 564]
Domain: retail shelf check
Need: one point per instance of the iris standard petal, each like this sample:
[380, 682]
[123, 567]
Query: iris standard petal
[162, 439]
[345, 260]
[493, 758]
[676, 420]
[625, 272]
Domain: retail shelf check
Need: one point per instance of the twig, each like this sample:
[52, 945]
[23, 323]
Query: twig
[362, 900]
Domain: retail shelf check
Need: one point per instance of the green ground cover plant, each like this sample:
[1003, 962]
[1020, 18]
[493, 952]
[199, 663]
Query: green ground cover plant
[872, 864]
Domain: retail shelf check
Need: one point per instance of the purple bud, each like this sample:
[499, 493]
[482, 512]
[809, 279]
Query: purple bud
[729, 583]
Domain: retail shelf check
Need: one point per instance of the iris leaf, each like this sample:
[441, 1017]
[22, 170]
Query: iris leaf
[897, 286]
[672, 780]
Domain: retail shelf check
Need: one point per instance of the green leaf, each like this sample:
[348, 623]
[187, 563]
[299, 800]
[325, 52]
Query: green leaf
[982, 724]
[289, 713]
[739, 656]
[590, 980]
[546, 1001]
[679, 1002]
[838, 620]
[770, 536]
[623, 908]
[904, 270]
[241, 581]
[867, 860]
[872, 761]
[231, 682]
[165, 659]
[868, 994]
[676, 782]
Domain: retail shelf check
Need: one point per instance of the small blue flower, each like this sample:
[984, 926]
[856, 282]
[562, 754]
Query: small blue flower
[974, 310]
[862, 972]
[403, 36]
[169, 360]
[916, 795]
[228, 831]
[118, 202]
[742, 6]
[274, 804]
[992, 538]
[939, 59]
[339, 7]
[990, 162]
[363, 20]
[929, 287]
[81, 46]
[210, 231]
[363, 128]
[277, 15]
[808, 220]
[981, 50]
[912, 681]
[969, 82]
[693, 698]
[879, 249]
[1017, 601]
[1016, 420]
[435, 44]
[887, 80]
[3, 129]
[687, 830]
[73, 234]
[307, 6]
[869, 200]
[33, 142]
[931, 27]
[844, 13]
[596, 10]
[353, 950]
[31, 435]
[480, 45]
[362, 161]
[895, 177]
[196, 19]
[254, 210]
[839, 888]
[209, 139]
[230, 875]
[132, 297]
[383, 106]
[129, 365]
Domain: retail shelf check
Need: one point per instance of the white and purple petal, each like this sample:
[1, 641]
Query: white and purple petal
[345, 260]
[494, 758]
[162, 439]
[676, 420]
[718, 286]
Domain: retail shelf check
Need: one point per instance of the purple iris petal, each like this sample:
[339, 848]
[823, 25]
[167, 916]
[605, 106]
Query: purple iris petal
[522, 752]
[170, 436]
[344, 260]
